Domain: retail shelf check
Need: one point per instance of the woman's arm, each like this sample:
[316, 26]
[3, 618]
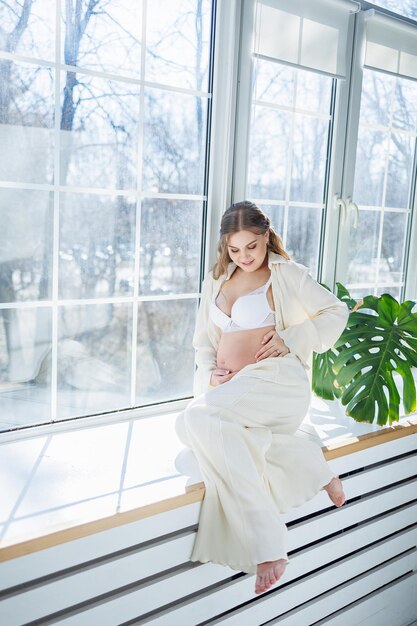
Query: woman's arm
[205, 353]
[327, 319]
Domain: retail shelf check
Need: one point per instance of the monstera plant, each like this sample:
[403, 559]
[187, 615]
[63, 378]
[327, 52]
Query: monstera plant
[380, 339]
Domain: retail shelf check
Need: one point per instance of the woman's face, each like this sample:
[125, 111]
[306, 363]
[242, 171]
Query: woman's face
[247, 249]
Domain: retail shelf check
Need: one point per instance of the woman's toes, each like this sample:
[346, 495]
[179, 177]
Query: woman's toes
[335, 491]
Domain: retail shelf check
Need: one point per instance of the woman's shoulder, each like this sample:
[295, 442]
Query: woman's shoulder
[208, 282]
[291, 269]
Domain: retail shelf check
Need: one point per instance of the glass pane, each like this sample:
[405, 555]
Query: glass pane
[399, 170]
[99, 129]
[303, 236]
[405, 105]
[370, 166]
[96, 250]
[276, 214]
[359, 292]
[174, 142]
[268, 153]
[94, 358]
[393, 247]
[363, 248]
[395, 292]
[383, 174]
[26, 122]
[26, 219]
[165, 369]
[309, 158]
[274, 83]
[177, 41]
[170, 246]
[28, 28]
[106, 40]
[376, 98]
[313, 93]
[402, 7]
[25, 366]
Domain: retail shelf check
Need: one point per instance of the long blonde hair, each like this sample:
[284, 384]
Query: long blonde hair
[244, 216]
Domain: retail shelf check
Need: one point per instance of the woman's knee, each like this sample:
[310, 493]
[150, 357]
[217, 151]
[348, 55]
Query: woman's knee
[181, 429]
[195, 415]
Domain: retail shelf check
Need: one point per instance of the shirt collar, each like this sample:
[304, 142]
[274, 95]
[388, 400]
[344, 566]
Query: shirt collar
[273, 258]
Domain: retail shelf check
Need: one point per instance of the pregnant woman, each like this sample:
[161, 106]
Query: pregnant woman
[260, 317]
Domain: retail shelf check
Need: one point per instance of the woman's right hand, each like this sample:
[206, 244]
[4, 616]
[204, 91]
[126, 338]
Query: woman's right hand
[220, 376]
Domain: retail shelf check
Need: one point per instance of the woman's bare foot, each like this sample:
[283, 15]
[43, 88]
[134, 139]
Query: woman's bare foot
[268, 573]
[335, 490]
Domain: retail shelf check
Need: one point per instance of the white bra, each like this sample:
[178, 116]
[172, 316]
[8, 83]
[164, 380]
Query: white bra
[249, 311]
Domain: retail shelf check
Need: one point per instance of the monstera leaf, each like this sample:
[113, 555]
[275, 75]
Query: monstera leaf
[359, 368]
[323, 376]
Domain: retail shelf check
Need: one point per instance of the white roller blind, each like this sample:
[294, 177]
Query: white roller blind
[391, 45]
[305, 33]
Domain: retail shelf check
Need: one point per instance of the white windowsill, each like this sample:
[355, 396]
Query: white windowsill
[72, 473]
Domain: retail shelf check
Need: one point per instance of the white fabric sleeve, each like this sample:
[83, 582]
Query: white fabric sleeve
[327, 318]
[205, 352]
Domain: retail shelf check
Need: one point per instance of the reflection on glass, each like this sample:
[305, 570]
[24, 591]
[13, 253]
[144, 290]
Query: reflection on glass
[268, 153]
[177, 42]
[26, 219]
[303, 236]
[26, 122]
[370, 165]
[393, 247]
[96, 246]
[28, 28]
[364, 248]
[174, 142]
[106, 40]
[170, 246]
[165, 356]
[99, 126]
[309, 158]
[399, 170]
[25, 366]
[94, 358]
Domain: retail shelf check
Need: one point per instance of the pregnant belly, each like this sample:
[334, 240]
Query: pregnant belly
[238, 349]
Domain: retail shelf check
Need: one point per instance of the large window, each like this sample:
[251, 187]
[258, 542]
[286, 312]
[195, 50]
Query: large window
[109, 215]
[327, 145]
[382, 187]
[104, 111]
[287, 160]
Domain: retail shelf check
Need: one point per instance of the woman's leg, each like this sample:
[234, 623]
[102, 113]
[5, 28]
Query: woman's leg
[254, 468]
[238, 525]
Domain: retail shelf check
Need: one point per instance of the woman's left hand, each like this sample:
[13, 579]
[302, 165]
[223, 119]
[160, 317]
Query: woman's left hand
[272, 345]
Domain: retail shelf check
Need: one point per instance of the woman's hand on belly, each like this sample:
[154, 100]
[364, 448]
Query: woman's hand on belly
[272, 346]
[237, 349]
[220, 376]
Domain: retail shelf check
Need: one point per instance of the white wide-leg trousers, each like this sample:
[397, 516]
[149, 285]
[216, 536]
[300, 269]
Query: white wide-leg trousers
[254, 467]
